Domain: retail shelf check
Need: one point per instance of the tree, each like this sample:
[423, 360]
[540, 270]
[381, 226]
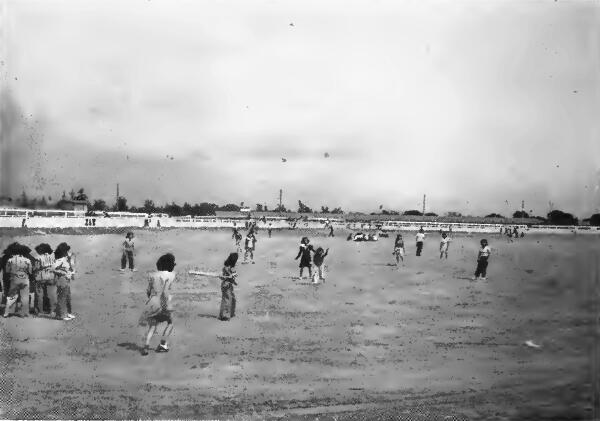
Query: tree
[520, 214]
[205, 209]
[595, 220]
[412, 212]
[337, 211]
[280, 208]
[454, 214]
[72, 194]
[230, 207]
[259, 207]
[81, 195]
[557, 217]
[99, 205]
[494, 215]
[121, 205]
[173, 209]
[149, 206]
[186, 209]
[431, 214]
[324, 209]
[302, 208]
[23, 200]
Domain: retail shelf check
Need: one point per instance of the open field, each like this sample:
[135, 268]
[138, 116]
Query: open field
[373, 342]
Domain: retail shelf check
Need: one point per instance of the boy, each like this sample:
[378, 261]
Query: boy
[250, 245]
[482, 261]
[444, 244]
[19, 269]
[420, 237]
[128, 248]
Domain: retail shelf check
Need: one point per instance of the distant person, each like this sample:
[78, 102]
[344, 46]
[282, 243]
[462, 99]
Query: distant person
[318, 259]
[444, 245]
[420, 237]
[269, 230]
[482, 260]
[305, 257]
[44, 279]
[331, 231]
[127, 256]
[228, 280]
[250, 245]
[19, 269]
[159, 307]
[399, 249]
[516, 232]
[237, 237]
[64, 272]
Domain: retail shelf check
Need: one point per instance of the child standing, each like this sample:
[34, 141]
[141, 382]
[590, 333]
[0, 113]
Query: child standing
[318, 260]
[228, 301]
[420, 237]
[250, 244]
[159, 307]
[64, 271]
[399, 249]
[444, 244]
[18, 269]
[482, 260]
[128, 248]
[304, 253]
[44, 279]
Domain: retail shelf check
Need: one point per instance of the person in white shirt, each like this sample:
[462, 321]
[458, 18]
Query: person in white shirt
[482, 260]
[444, 244]
[19, 269]
[420, 237]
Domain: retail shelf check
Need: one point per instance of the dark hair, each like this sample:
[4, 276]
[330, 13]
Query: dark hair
[61, 250]
[320, 250]
[43, 249]
[483, 241]
[166, 262]
[23, 250]
[129, 234]
[11, 249]
[231, 260]
[305, 240]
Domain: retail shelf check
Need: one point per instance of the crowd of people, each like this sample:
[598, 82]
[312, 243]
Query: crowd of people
[37, 282]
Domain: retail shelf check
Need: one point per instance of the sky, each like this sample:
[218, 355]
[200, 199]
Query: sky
[477, 104]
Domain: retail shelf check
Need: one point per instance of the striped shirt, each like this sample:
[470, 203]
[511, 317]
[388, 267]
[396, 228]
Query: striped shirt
[18, 269]
[43, 267]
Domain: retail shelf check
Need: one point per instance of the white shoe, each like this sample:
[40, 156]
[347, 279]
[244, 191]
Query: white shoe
[70, 316]
[134, 270]
[122, 270]
[66, 319]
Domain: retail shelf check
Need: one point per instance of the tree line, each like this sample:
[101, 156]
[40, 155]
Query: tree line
[554, 217]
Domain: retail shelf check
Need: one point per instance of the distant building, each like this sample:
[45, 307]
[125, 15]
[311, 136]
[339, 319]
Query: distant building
[74, 205]
[245, 210]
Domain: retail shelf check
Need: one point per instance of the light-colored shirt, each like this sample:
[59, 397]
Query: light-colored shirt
[159, 282]
[43, 267]
[19, 268]
[420, 236]
[128, 244]
[485, 252]
[62, 268]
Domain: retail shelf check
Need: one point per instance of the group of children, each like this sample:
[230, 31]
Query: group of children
[38, 283]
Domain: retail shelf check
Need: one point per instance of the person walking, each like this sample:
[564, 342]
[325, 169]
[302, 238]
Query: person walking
[420, 237]
[127, 256]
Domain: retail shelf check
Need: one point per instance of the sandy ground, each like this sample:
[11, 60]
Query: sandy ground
[421, 341]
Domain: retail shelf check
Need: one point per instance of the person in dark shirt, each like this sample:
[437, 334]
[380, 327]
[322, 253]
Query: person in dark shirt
[228, 280]
[305, 257]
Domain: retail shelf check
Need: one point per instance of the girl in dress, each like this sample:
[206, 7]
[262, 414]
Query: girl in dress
[228, 302]
[399, 249]
[159, 306]
[305, 257]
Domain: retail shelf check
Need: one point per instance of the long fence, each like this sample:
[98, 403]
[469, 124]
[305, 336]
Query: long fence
[276, 223]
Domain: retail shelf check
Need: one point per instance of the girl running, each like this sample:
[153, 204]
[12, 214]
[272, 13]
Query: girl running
[228, 301]
[159, 307]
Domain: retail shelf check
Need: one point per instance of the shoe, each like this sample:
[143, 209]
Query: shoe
[6, 316]
[224, 319]
[253, 262]
[122, 270]
[71, 316]
[144, 350]
[483, 278]
[134, 270]
[66, 319]
[162, 348]
[52, 315]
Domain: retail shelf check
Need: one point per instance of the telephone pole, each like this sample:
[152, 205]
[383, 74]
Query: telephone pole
[424, 204]
[280, 195]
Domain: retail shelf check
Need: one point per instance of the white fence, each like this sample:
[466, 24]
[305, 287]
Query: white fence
[274, 223]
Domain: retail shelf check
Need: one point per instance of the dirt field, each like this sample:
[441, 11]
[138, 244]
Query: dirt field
[373, 342]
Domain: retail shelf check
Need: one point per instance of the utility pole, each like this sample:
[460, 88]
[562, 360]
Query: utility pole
[423, 204]
[117, 202]
[280, 195]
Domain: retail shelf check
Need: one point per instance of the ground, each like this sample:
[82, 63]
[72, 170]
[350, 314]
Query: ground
[422, 341]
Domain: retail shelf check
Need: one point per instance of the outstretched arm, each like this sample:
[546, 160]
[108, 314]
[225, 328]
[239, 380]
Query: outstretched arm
[299, 253]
